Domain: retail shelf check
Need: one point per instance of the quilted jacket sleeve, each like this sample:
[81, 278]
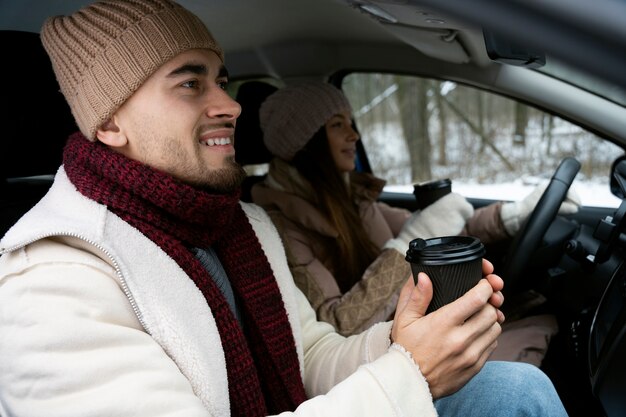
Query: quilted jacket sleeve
[486, 224]
[371, 300]
[394, 216]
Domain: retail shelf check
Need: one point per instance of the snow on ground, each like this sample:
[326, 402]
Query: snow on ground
[591, 194]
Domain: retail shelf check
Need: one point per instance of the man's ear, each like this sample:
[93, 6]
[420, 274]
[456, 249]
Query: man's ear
[110, 134]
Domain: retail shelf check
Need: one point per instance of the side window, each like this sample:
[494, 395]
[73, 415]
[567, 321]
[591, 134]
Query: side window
[492, 147]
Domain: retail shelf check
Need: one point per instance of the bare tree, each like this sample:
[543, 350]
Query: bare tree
[443, 124]
[521, 122]
[546, 132]
[465, 119]
[412, 96]
[480, 116]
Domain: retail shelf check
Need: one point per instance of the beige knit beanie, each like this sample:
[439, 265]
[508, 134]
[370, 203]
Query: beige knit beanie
[104, 52]
[291, 116]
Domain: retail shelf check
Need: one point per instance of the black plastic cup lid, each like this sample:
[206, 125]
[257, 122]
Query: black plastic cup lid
[445, 250]
[433, 185]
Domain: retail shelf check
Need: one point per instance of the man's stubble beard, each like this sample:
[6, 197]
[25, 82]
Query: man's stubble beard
[224, 180]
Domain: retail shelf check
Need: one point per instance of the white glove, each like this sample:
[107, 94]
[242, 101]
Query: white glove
[514, 214]
[445, 217]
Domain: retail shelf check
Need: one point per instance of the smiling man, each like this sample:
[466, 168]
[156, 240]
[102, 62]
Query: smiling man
[141, 286]
[181, 121]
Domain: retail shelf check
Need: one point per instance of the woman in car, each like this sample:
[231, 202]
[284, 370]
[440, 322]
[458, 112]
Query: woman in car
[346, 250]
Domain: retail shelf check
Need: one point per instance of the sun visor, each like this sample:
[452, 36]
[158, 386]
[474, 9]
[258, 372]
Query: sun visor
[440, 44]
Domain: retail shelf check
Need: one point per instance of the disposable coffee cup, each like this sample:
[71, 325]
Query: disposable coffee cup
[453, 264]
[427, 193]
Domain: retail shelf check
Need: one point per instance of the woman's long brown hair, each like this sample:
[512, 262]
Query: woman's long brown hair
[354, 249]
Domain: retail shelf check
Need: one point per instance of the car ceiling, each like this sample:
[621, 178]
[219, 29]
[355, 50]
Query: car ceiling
[316, 38]
[433, 27]
[247, 33]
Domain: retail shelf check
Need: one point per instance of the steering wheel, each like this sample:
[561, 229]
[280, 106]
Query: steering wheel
[536, 225]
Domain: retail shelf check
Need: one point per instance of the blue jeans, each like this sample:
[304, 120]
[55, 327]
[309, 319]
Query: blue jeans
[507, 389]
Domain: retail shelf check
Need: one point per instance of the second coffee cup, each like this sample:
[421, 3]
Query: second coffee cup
[453, 264]
[427, 193]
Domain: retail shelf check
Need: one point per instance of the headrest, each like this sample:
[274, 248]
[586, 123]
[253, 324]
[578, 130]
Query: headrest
[35, 118]
[249, 146]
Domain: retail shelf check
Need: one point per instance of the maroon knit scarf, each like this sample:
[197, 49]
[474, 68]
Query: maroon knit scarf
[262, 364]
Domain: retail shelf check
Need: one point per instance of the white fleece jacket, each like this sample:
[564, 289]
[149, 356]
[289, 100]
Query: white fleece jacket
[96, 320]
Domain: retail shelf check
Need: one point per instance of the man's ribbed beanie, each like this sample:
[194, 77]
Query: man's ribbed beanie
[104, 52]
[291, 116]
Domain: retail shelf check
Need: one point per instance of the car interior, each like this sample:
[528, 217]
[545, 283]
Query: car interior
[37, 113]
[576, 261]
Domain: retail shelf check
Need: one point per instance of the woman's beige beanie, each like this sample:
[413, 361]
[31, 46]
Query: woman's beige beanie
[104, 52]
[291, 116]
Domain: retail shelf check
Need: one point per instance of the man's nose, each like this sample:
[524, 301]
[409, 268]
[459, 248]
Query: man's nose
[220, 104]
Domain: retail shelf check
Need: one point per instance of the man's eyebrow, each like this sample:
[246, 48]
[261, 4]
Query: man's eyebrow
[197, 69]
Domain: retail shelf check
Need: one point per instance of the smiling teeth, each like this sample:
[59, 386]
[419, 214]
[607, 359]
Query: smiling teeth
[218, 141]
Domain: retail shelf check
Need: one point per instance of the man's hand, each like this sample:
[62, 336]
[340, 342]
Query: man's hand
[497, 283]
[451, 344]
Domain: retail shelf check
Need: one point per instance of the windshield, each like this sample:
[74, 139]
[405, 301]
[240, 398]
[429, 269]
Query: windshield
[416, 129]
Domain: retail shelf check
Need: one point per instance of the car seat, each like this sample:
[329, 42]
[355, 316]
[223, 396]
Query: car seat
[249, 146]
[36, 122]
